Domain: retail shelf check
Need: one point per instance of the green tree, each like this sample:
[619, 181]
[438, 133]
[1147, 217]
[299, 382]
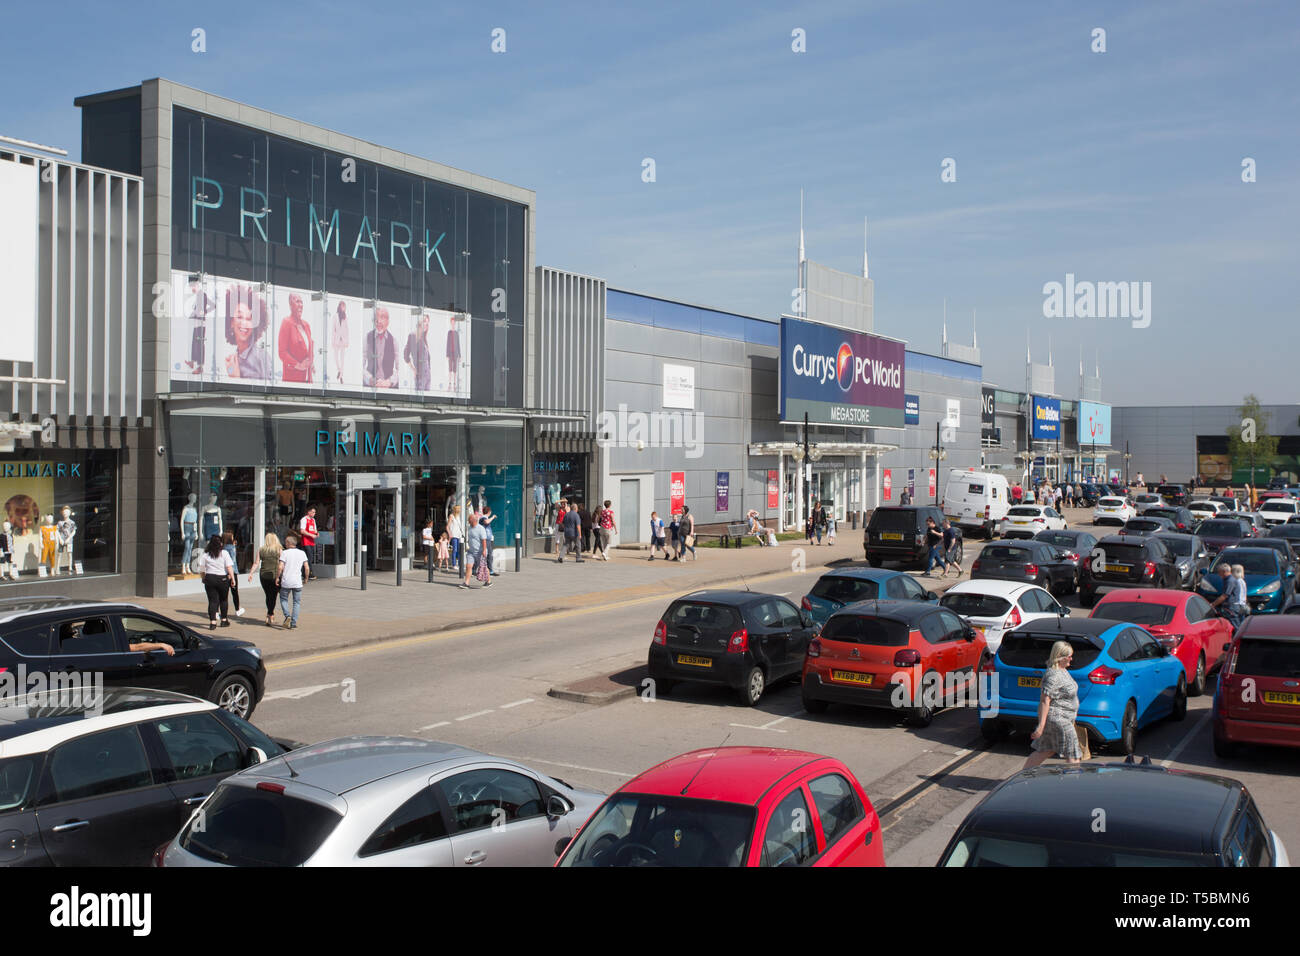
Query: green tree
[1250, 447]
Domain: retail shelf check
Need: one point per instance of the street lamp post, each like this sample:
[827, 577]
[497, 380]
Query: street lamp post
[937, 454]
[1127, 456]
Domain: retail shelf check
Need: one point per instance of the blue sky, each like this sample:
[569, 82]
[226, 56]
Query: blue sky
[1115, 166]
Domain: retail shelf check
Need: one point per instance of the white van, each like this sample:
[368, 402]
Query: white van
[976, 500]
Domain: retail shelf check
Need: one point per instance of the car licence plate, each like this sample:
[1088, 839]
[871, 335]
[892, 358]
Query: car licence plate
[1119, 568]
[1274, 697]
[891, 536]
[852, 677]
[1030, 682]
[694, 661]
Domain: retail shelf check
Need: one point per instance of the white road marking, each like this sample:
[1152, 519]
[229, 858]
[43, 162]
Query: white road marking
[517, 703]
[1187, 739]
[298, 693]
[573, 766]
[477, 713]
[441, 723]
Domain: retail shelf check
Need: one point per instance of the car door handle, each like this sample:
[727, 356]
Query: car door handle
[195, 800]
[475, 858]
[70, 826]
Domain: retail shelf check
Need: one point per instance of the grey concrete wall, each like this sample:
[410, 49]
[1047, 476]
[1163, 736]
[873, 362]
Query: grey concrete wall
[1162, 438]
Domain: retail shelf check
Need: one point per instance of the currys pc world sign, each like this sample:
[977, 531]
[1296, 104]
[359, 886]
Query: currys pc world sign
[1047, 418]
[840, 377]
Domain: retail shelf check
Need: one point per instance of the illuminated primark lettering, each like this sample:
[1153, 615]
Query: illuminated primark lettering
[320, 226]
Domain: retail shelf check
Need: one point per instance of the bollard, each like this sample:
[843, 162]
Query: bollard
[363, 567]
[399, 561]
[429, 562]
[519, 552]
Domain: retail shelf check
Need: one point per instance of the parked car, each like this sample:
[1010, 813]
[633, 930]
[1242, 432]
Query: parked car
[1126, 561]
[1147, 499]
[62, 635]
[1075, 544]
[1173, 494]
[1290, 531]
[1145, 526]
[1222, 532]
[1127, 680]
[1027, 562]
[86, 781]
[1264, 659]
[995, 607]
[836, 589]
[1278, 511]
[734, 806]
[897, 533]
[1046, 816]
[1282, 546]
[1025, 521]
[1182, 518]
[1229, 503]
[1203, 508]
[1190, 555]
[884, 654]
[383, 801]
[1254, 527]
[1184, 623]
[976, 500]
[1270, 584]
[1092, 493]
[744, 640]
[1113, 510]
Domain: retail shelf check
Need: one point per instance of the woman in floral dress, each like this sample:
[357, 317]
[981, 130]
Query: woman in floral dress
[1057, 708]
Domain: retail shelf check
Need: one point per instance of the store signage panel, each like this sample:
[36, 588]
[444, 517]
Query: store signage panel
[679, 386]
[1094, 423]
[840, 377]
[1046, 418]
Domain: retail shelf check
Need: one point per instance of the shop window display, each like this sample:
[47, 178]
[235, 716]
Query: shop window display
[498, 486]
[60, 514]
[204, 502]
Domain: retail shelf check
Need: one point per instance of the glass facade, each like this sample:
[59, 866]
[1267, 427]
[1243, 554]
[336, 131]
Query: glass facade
[300, 268]
[60, 513]
[555, 476]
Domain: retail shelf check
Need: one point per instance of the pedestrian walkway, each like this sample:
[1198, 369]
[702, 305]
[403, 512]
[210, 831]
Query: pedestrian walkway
[337, 613]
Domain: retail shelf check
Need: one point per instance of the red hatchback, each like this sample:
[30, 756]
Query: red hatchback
[734, 806]
[1180, 620]
[1258, 697]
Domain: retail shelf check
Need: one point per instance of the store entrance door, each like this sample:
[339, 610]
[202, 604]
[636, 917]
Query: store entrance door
[373, 517]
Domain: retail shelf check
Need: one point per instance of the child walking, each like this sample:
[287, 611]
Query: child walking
[444, 552]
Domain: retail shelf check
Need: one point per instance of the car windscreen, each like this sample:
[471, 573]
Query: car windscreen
[1004, 849]
[1145, 613]
[861, 629]
[969, 604]
[1123, 553]
[884, 519]
[1253, 562]
[1111, 502]
[1287, 507]
[1290, 531]
[1030, 649]
[1144, 524]
[1221, 529]
[1006, 552]
[845, 590]
[18, 781]
[635, 829]
[1025, 512]
[1261, 657]
[1147, 498]
[1062, 539]
[243, 826]
[704, 617]
[1168, 490]
[1178, 544]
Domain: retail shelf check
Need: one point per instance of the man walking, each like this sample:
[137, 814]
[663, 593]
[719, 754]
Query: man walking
[572, 534]
[934, 539]
[950, 550]
[486, 519]
[307, 533]
[475, 539]
[1233, 597]
[584, 520]
[291, 573]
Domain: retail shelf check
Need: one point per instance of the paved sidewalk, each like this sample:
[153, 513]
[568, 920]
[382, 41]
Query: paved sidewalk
[338, 614]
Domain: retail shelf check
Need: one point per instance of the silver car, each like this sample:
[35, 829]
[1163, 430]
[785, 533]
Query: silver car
[1148, 500]
[384, 801]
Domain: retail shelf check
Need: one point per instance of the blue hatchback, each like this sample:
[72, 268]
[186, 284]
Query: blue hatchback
[835, 589]
[1270, 584]
[1127, 679]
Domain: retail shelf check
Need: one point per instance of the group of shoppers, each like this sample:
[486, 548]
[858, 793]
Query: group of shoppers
[682, 532]
[820, 523]
[283, 571]
[579, 531]
[945, 547]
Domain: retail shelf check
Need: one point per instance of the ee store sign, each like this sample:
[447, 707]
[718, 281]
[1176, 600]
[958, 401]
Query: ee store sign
[845, 368]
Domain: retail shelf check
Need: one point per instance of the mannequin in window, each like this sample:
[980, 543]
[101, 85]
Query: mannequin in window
[539, 506]
[49, 542]
[189, 530]
[211, 519]
[552, 499]
[66, 532]
[7, 569]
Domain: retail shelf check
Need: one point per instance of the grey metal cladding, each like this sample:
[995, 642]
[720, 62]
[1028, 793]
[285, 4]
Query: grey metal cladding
[570, 347]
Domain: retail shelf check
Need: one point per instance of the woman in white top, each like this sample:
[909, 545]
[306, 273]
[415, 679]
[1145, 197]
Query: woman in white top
[454, 533]
[218, 575]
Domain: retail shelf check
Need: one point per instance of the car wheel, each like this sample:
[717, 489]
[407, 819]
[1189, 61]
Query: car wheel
[1225, 749]
[755, 684]
[960, 554]
[922, 716]
[994, 730]
[1180, 699]
[234, 694]
[1198, 684]
[1128, 729]
[814, 706]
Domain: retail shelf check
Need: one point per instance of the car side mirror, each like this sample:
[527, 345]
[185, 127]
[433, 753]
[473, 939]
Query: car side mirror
[254, 756]
[931, 596]
[806, 619]
[1063, 611]
[969, 633]
[556, 807]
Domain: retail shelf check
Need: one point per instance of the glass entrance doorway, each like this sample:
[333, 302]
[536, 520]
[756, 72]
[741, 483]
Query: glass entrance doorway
[379, 528]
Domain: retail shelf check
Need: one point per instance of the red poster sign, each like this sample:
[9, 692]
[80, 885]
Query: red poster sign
[773, 490]
[678, 491]
[932, 481]
[887, 482]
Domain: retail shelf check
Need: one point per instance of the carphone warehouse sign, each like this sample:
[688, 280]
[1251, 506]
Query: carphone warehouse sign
[840, 377]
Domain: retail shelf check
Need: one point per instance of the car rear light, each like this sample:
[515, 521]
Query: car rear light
[1038, 521]
[739, 642]
[661, 633]
[1014, 619]
[815, 648]
[805, 603]
[920, 539]
[159, 853]
[1170, 641]
[1105, 675]
[1150, 571]
[1086, 563]
[975, 565]
[907, 657]
[1071, 556]
[989, 666]
[987, 512]
[271, 787]
[1031, 569]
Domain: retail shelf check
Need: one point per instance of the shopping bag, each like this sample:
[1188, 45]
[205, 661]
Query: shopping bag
[1082, 733]
[771, 539]
[482, 569]
[690, 541]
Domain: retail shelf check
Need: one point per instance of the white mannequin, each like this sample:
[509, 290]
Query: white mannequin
[189, 530]
[211, 518]
[67, 532]
[7, 568]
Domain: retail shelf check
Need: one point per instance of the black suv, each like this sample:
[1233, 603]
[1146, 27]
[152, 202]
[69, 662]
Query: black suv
[45, 635]
[1174, 494]
[897, 533]
[1184, 521]
[1127, 561]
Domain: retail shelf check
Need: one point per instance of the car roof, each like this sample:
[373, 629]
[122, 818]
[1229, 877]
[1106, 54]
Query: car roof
[991, 586]
[1279, 626]
[731, 596]
[38, 721]
[347, 763]
[905, 611]
[1167, 597]
[730, 774]
[866, 574]
[20, 607]
[1059, 803]
[1071, 626]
